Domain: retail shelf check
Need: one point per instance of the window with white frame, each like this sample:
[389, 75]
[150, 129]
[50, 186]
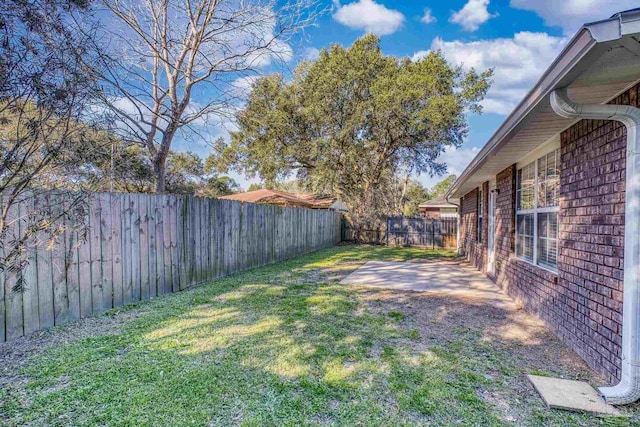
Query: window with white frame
[537, 207]
[480, 215]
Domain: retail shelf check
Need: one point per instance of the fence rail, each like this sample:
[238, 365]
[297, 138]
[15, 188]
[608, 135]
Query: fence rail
[140, 246]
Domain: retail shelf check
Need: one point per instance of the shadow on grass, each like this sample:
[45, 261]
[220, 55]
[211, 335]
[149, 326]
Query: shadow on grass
[266, 347]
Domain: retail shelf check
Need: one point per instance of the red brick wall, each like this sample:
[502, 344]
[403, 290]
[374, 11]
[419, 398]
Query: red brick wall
[582, 304]
[592, 192]
[474, 251]
[526, 283]
[505, 221]
[468, 222]
[485, 223]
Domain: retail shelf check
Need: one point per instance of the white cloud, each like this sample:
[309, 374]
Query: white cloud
[369, 16]
[428, 17]
[472, 15]
[455, 159]
[571, 14]
[278, 51]
[241, 87]
[518, 63]
[311, 54]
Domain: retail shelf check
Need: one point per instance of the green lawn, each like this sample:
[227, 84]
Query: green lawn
[279, 345]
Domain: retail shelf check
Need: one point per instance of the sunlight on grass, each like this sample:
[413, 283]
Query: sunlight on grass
[205, 341]
[282, 345]
[337, 371]
[195, 319]
[325, 304]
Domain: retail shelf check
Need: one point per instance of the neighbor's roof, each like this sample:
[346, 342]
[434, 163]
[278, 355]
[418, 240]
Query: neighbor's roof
[318, 200]
[600, 61]
[283, 197]
[438, 202]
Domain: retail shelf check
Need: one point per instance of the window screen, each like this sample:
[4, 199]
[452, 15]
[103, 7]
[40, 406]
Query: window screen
[537, 207]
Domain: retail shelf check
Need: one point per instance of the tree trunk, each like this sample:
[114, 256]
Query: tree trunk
[160, 163]
[159, 167]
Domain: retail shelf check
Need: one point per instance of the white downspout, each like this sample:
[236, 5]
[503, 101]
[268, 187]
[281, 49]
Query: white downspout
[628, 389]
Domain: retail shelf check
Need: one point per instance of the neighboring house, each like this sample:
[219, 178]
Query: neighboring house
[438, 208]
[324, 202]
[550, 207]
[282, 198]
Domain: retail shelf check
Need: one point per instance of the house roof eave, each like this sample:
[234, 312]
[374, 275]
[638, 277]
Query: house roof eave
[585, 47]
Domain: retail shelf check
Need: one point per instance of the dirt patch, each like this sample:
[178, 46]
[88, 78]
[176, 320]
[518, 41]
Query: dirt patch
[503, 331]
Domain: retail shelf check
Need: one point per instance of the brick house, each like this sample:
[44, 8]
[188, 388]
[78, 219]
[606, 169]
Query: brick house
[438, 208]
[550, 207]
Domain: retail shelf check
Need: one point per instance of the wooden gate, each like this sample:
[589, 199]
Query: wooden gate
[422, 232]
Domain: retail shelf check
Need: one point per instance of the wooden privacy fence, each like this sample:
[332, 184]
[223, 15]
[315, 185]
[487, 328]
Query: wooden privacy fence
[139, 246]
[366, 236]
[422, 232]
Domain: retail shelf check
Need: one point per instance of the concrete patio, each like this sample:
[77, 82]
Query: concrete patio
[437, 277]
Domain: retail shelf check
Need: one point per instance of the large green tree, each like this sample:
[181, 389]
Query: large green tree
[354, 119]
[414, 195]
[109, 164]
[441, 188]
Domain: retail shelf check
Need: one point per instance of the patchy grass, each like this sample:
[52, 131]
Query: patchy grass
[397, 315]
[283, 345]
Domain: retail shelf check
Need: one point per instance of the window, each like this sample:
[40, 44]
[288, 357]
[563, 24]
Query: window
[480, 211]
[537, 206]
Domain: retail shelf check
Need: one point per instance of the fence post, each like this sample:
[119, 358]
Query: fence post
[433, 234]
[387, 231]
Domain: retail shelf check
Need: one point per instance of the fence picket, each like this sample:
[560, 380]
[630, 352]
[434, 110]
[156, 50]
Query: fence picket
[85, 282]
[95, 257]
[3, 301]
[31, 320]
[116, 250]
[13, 294]
[106, 250]
[175, 274]
[158, 205]
[166, 226]
[44, 278]
[145, 286]
[152, 258]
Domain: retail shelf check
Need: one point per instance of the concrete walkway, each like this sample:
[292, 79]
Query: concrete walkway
[438, 277]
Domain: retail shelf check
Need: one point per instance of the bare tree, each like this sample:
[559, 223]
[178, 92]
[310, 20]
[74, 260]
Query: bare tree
[171, 64]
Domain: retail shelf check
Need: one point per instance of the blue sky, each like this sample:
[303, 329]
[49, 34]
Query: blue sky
[519, 38]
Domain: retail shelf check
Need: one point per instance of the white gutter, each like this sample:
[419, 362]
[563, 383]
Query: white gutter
[560, 73]
[628, 389]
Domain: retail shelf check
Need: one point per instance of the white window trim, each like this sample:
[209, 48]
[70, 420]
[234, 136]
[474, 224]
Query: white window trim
[539, 153]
